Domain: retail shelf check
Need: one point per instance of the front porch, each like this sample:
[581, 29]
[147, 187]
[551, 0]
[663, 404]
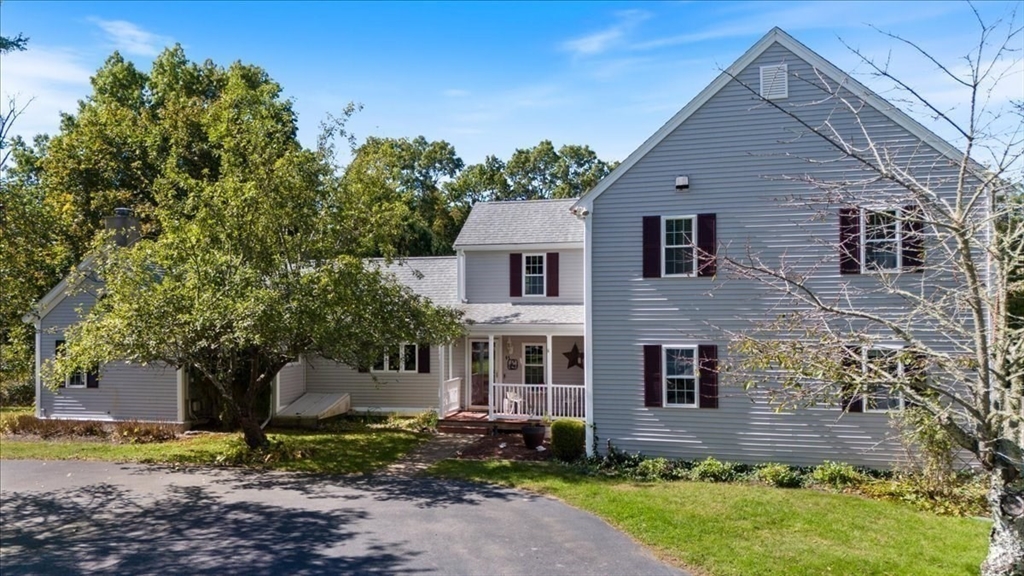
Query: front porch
[514, 378]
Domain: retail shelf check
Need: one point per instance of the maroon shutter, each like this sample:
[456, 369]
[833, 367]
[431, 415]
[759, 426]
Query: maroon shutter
[708, 385]
[849, 241]
[707, 245]
[552, 274]
[652, 376]
[913, 239]
[515, 275]
[423, 359]
[92, 378]
[58, 349]
[850, 400]
[652, 247]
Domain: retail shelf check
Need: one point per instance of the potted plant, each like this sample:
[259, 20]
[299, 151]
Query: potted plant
[533, 434]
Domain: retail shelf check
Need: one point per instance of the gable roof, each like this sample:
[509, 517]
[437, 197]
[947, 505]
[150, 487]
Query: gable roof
[58, 293]
[435, 277]
[521, 222]
[774, 36]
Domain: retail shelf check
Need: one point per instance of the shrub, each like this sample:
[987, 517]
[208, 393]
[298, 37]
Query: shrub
[239, 454]
[135, 432]
[711, 470]
[653, 469]
[779, 475]
[836, 475]
[962, 495]
[49, 428]
[568, 439]
[17, 393]
[426, 421]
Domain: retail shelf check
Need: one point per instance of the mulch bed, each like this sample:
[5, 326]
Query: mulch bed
[505, 446]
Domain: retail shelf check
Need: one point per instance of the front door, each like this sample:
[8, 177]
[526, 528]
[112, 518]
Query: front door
[480, 374]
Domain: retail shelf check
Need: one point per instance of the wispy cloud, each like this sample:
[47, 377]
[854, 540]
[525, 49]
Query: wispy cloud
[52, 79]
[455, 93]
[130, 38]
[603, 40]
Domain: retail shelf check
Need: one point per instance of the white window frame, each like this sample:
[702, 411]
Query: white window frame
[664, 375]
[866, 397]
[401, 360]
[543, 275]
[664, 246]
[83, 376]
[898, 216]
[543, 362]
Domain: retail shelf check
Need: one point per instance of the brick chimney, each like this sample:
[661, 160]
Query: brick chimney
[124, 225]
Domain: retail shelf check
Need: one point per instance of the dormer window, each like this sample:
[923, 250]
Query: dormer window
[533, 274]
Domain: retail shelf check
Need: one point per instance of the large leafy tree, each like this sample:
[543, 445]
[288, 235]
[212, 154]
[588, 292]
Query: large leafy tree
[253, 251]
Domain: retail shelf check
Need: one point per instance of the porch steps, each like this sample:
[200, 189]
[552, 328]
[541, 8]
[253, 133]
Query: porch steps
[478, 423]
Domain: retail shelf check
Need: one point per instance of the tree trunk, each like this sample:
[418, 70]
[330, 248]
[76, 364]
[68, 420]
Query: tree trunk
[1006, 542]
[255, 438]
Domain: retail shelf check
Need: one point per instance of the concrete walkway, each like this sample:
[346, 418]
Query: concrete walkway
[438, 447]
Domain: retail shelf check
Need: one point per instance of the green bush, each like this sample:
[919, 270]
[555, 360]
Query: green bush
[711, 470]
[653, 469]
[276, 451]
[568, 439]
[836, 475]
[17, 393]
[779, 475]
[135, 432]
[962, 495]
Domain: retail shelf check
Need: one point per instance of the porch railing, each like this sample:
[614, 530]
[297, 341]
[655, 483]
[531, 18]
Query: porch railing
[538, 400]
[450, 397]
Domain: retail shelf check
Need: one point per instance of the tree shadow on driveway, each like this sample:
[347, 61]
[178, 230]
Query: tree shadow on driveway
[106, 528]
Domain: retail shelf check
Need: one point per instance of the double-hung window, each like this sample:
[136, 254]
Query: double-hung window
[882, 366]
[86, 379]
[680, 376]
[401, 358]
[533, 274]
[886, 239]
[679, 255]
[881, 242]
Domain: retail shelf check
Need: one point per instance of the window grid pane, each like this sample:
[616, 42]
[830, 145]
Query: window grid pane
[881, 365]
[680, 250]
[533, 364]
[534, 275]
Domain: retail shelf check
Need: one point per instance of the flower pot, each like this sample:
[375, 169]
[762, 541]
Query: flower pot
[533, 436]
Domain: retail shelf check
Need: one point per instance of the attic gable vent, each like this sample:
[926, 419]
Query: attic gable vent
[775, 82]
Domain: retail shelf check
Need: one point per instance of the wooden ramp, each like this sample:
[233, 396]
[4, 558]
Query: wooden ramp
[310, 409]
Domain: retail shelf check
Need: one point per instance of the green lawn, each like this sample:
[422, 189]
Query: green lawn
[742, 529]
[307, 451]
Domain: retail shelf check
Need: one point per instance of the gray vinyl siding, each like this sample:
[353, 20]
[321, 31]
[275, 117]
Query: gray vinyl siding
[125, 392]
[390, 390]
[291, 382]
[487, 277]
[731, 148]
[560, 372]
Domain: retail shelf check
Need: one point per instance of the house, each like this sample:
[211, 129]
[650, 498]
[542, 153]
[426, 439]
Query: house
[517, 277]
[615, 308]
[716, 178]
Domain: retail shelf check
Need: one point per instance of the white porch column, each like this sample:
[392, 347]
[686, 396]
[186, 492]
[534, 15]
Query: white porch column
[490, 370]
[547, 374]
[440, 387]
[451, 360]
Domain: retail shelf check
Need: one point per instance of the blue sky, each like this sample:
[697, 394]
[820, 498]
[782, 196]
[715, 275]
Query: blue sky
[487, 77]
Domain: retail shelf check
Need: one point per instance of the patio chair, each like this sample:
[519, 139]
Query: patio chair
[513, 402]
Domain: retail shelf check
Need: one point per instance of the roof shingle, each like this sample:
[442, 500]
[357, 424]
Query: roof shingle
[521, 222]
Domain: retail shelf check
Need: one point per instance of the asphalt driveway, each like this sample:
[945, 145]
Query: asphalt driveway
[92, 517]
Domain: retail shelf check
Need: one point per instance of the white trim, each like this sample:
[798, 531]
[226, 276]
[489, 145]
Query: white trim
[460, 271]
[482, 330]
[544, 362]
[775, 35]
[39, 368]
[544, 274]
[58, 293]
[664, 375]
[526, 246]
[588, 334]
[693, 227]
